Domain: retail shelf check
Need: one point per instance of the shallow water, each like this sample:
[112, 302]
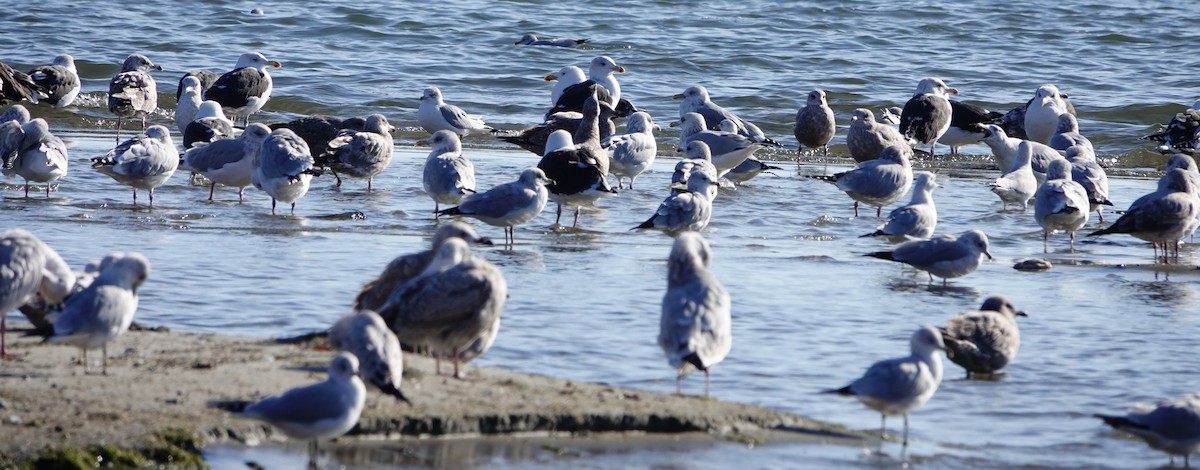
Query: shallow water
[1105, 328]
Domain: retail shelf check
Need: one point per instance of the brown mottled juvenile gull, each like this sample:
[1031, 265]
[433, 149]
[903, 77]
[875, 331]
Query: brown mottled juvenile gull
[361, 154]
[815, 123]
[986, 340]
[695, 329]
[867, 138]
[375, 292]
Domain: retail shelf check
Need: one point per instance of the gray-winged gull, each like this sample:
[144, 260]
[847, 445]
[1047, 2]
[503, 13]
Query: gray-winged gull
[1086, 171]
[1060, 203]
[1067, 135]
[509, 204]
[132, 92]
[689, 210]
[188, 103]
[41, 157]
[986, 340]
[917, 219]
[532, 40]
[902, 385]
[448, 176]
[245, 89]
[877, 182]
[815, 123]
[1004, 151]
[1172, 425]
[696, 157]
[1161, 217]
[228, 162]
[104, 310]
[361, 154]
[453, 307]
[1017, 184]
[867, 138]
[695, 329]
[926, 116]
[748, 169]
[59, 81]
[1041, 115]
[374, 293]
[435, 115]
[22, 262]
[728, 149]
[634, 151]
[144, 162]
[284, 168]
[943, 256]
[381, 361]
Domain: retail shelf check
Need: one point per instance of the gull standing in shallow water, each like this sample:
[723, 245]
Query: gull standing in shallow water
[132, 92]
[943, 256]
[876, 182]
[375, 292]
[1161, 217]
[815, 123]
[103, 310]
[323, 410]
[695, 330]
[634, 151]
[448, 176]
[228, 162]
[902, 385]
[144, 162]
[926, 116]
[918, 219]
[1086, 171]
[867, 138]
[1172, 426]
[41, 156]
[728, 149]
[453, 307]
[361, 154]
[1060, 203]
[245, 89]
[1017, 185]
[59, 80]
[689, 210]
[364, 334]
[435, 115]
[984, 341]
[509, 204]
[283, 168]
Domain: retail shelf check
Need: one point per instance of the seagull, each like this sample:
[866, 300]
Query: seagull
[1180, 133]
[926, 116]
[867, 138]
[16, 86]
[509, 204]
[361, 154]
[283, 168]
[1187, 163]
[532, 40]
[1161, 217]
[633, 152]
[902, 385]
[375, 292]
[966, 125]
[11, 134]
[448, 177]
[1041, 115]
[696, 100]
[41, 156]
[689, 210]
[59, 81]
[876, 182]
[1067, 135]
[1172, 426]
[144, 162]
[320, 411]
[206, 79]
[696, 158]
[565, 78]
[1004, 151]
[435, 115]
[943, 256]
[453, 307]
[1086, 171]
[22, 261]
[228, 162]
[600, 70]
[104, 310]
[533, 138]
[208, 125]
[728, 149]
[1018, 184]
[245, 89]
[364, 334]
[1060, 203]
[915, 221]
[695, 329]
[317, 131]
[815, 123]
[132, 92]
[188, 103]
[984, 341]
[577, 171]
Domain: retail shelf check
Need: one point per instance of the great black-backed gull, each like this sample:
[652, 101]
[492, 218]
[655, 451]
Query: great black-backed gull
[926, 116]
[244, 90]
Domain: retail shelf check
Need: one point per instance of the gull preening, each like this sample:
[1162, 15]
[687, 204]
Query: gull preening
[105, 309]
[132, 92]
[283, 168]
[917, 219]
[902, 385]
[1060, 203]
[316, 412]
[144, 162]
[245, 89]
[448, 176]
[986, 340]
[381, 361]
[943, 256]
[509, 204]
[228, 162]
[435, 115]
[28, 267]
[877, 182]
[41, 157]
[375, 292]
[452, 308]
[1172, 425]
[695, 330]
[361, 154]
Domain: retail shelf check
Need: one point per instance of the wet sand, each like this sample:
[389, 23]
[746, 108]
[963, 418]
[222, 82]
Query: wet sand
[159, 381]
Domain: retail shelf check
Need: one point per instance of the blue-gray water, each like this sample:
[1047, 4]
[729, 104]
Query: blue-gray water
[810, 312]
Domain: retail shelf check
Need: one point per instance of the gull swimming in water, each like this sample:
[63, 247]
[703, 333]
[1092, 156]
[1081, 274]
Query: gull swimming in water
[1017, 185]
[245, 89]
[867, 138]
[876, 182]
[132, 92]
[532, 40]
[902, 385]
[361, 154]
[917, 219]
[926, 116]
[319, 411]
[695, 330]
[1060, 203]
[1172, 426]
[144, 162]
[105, 309]
[375, 292]
[381, 361]
[984, 341]
[815, 123]
[634, 151]
[228, 162]
[453, 307]
[509, 204]
[283, 168]
[435, 115]
[943, 256]
[448, 176]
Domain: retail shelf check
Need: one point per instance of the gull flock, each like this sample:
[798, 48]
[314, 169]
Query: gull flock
[448, 301]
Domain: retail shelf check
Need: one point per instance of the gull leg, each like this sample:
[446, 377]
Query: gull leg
[1072, 242]
[272, 206]
[47, 189]
[293, 212]
[368, 184]
[313, 453]
[575, 223]
[151, 197]
[27, 189]
[1045, 237]
[882, 426]
[118, 130]
[705, 382]
[143, 123]
[678, 384]
[558, 214]
[211, 188]
[856, 208]
[905, 442]
[135, 196]
[457, 372]
[240, 191]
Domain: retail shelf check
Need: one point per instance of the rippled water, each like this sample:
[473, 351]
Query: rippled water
[1105, 330]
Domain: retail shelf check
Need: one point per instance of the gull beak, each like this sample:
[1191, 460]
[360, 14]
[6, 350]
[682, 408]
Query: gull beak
[484, 241]
[677, 96]
[1021, 313]
[619, 69]
[989, 255]
[275, 63]
[550, 78]
[158, 68]
[952, 91]
[658, 128]
[674, 123]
